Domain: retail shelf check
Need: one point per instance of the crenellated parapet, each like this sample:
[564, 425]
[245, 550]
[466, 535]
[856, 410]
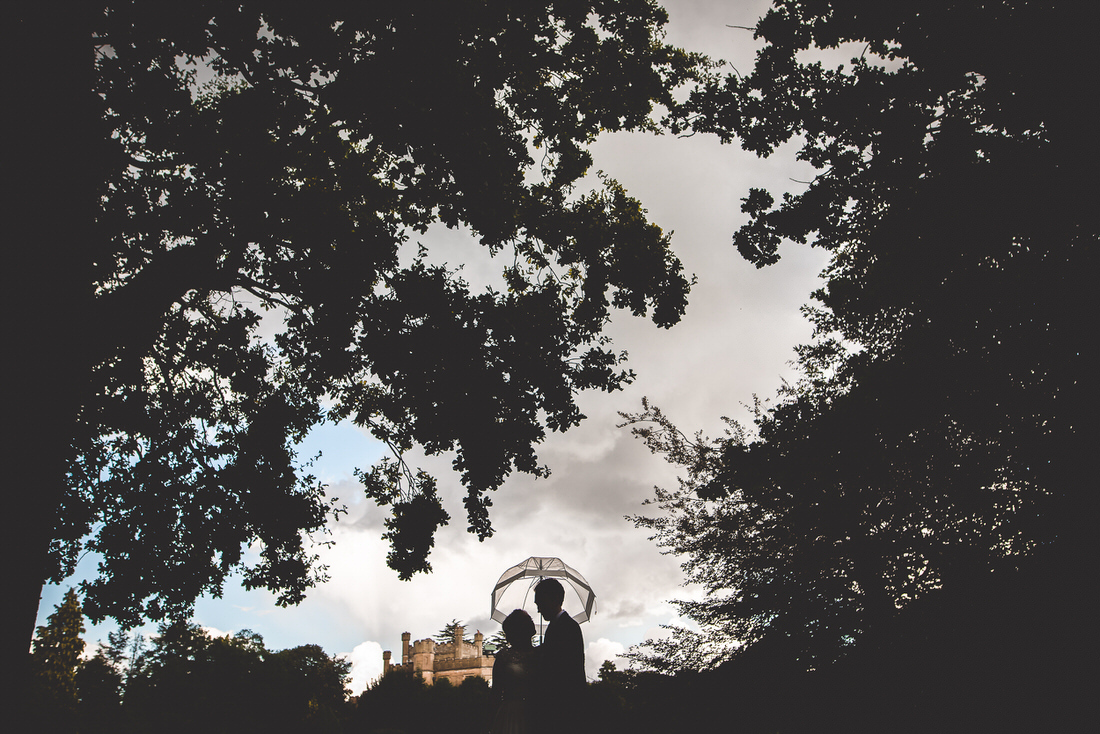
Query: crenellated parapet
[455, 660]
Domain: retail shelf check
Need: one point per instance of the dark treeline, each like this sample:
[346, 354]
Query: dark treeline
[946, 668]
[182, 679]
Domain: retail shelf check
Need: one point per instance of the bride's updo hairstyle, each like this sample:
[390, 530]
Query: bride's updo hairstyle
[518, 626]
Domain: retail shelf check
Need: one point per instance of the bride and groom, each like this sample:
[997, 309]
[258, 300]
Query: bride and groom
[552, 672]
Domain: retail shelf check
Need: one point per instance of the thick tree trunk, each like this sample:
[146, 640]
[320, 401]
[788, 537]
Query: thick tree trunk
[50, 199]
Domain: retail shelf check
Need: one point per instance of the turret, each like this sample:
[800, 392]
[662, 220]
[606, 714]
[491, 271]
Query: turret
[478, 641]
[424, 659]
[405, 637]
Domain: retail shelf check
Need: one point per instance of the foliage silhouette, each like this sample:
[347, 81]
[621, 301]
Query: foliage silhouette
[281, 195]
[191, 681]
[401, 702]
[100, 687]
[938, 437]
[907, 681]
[392, 703]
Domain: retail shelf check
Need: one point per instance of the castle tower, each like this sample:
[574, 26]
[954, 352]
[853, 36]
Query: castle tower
[423, 658]
[453, 661]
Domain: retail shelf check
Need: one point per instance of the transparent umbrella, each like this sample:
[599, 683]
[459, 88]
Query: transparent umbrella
[516, 589]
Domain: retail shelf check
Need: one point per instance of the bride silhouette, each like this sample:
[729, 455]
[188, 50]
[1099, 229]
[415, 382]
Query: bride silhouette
[514, 676]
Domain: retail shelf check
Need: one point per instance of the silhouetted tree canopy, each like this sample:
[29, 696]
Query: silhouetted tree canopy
[100, 686]
[189, 680]
[940, 433]
[401, 701]
[218, 239]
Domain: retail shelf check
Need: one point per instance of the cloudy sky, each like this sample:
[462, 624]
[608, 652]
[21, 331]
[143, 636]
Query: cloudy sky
[735, 340]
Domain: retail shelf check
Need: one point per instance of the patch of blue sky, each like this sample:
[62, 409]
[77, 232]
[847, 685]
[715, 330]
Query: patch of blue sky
[343, 447]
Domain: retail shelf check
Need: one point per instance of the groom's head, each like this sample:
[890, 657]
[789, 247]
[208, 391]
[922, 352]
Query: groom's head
[549, 595]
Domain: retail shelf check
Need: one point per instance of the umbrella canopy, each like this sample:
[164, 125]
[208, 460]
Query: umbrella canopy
[517, 583]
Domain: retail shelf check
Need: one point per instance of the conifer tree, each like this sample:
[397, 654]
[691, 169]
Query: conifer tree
[57, 649]
[447, 634]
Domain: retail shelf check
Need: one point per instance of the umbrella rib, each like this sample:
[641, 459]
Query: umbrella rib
[537, 568]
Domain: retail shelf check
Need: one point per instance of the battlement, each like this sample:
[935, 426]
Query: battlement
[455, 660]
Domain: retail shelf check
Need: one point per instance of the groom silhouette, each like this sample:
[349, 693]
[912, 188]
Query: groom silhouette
[561, 654]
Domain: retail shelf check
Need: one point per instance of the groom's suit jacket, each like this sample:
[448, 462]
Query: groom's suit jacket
[562, 657]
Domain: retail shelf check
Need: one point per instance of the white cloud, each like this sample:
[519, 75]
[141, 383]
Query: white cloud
[366, 665]
[599, 651]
